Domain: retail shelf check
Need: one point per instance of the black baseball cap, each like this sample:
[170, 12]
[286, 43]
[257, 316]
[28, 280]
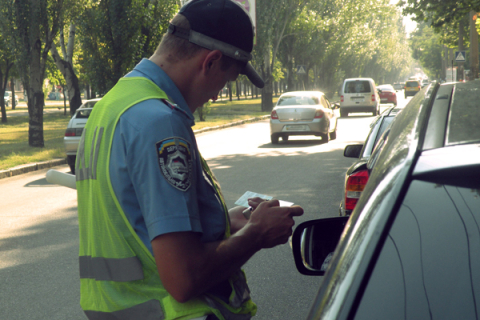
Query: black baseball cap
[220, 25]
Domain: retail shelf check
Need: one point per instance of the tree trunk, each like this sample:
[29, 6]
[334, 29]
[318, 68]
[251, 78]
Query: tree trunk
[237, 89]
[473, 47]
[460, 48]
[66, 68]
[2, 101]
[12, 85]
[229, 86]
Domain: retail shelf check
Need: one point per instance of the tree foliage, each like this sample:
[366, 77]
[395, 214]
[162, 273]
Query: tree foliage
[427, 49]
[117, 34]
[438, 13]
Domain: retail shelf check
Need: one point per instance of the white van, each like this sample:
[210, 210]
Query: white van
[359, 95]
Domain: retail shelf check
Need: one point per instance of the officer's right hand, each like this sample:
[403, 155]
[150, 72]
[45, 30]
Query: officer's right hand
[273, 223]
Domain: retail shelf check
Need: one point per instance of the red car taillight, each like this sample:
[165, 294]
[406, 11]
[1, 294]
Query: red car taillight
[274, 115]
[318, 114]
[73, 132]
[355, 185]
[373, 97]
[341, 98]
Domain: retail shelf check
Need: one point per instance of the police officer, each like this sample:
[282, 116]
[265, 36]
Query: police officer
[156, 238]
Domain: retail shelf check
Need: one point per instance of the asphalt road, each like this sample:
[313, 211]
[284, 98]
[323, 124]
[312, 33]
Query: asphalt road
[39, 230]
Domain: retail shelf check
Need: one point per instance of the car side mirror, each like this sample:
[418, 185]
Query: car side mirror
[352, 150]
[379, 91]
[314, 243]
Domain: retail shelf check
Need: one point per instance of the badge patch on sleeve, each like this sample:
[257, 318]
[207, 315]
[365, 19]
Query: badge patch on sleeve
[175, 162]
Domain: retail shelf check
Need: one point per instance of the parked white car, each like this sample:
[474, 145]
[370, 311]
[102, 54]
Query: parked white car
[8, 98]
[74, 131]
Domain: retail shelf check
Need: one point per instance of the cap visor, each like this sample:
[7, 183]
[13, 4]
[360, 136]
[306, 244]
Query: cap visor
[253, 76]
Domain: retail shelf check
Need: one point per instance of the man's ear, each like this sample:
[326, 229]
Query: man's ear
[212, 60]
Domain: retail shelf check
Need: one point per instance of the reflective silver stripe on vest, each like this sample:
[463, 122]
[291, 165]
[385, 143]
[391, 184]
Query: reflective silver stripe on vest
[227, 314]
[109, 269]
[150, 310]
[89, 172]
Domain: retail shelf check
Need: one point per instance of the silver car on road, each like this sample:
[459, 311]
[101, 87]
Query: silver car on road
[303, 113]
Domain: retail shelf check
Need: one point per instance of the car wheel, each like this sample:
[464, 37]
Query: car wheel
[325, 137]
[274, 138]
[285, 138]
[343, 114]
[374, 112]
[333, 134]
[71, 163]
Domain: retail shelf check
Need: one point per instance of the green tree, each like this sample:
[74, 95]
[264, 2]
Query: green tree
[35, 23]
[65, 61]
[6, 60]
[427, 49]
[117, 34]
[273, 17]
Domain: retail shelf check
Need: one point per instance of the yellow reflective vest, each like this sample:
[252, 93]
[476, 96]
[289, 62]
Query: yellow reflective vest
[118, 274]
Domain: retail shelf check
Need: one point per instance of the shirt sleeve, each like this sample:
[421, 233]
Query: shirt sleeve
[151, 170]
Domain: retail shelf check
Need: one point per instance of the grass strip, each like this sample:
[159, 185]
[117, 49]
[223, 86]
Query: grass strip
[15, 151]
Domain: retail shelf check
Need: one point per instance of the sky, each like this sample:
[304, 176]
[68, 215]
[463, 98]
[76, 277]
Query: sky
[407, 22]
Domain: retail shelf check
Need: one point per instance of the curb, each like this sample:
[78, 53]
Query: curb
[15, 171]
[236, 123]
[52, 163]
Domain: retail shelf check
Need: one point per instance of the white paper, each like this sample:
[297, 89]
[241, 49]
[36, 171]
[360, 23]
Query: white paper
[243, 200]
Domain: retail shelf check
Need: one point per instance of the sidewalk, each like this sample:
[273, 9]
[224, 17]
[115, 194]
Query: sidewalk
[56, 162]
[50, 106]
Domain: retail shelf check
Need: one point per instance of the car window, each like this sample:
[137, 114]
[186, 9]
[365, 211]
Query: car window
[88, 104]
[83, 113]
[386, 87]
[412, 84]
[357, 86]
[464, 116]
[298, 101]
[429, 265]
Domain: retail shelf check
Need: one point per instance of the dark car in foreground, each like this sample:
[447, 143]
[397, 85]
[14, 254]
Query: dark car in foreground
[411, 247]
[356, 177]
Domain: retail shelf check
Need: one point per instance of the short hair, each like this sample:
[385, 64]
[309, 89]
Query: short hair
[177, 49]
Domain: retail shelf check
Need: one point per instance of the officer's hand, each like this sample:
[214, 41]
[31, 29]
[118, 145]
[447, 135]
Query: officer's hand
[274, 223]
[254, 202]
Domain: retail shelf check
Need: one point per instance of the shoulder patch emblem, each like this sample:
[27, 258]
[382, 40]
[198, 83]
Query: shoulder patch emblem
[175, 160]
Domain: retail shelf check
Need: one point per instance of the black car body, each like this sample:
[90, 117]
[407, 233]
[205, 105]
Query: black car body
[411, 247]
[362, 153]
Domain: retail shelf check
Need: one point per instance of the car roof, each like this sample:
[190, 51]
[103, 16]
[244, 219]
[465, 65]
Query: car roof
[301, 93]
[385, 85]
[357, 79]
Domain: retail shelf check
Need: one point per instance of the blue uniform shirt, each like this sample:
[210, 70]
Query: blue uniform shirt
[160, 188]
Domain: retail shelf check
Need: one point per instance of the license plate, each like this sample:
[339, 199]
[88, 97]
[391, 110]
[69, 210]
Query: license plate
[383, 100]
[295, 128]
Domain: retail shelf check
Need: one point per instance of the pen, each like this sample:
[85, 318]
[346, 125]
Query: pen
[247, 212]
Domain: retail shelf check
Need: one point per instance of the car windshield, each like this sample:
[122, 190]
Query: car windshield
[464, 114]
[412, 84]
[297, 101]
[357, 86]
